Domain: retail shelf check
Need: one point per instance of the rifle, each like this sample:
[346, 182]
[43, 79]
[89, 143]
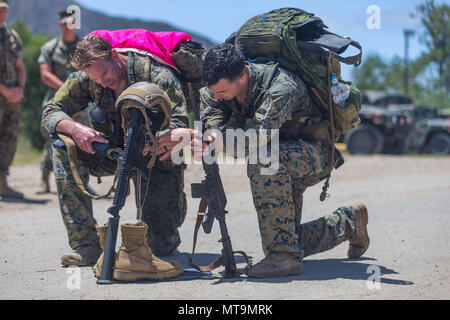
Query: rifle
[213, 196]
[128, 162]
[120, 194]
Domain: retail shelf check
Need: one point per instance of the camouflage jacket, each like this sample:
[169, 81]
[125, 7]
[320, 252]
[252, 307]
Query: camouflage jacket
[57, 53]
[281, 102]
[78, 91]
[10, 51]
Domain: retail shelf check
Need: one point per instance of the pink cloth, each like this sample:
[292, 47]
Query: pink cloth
[159, 44]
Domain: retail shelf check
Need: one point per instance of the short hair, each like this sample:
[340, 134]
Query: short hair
[224, 61]
[91, 49]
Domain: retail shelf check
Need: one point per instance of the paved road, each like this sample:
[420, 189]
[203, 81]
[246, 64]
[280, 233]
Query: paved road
[409, 258]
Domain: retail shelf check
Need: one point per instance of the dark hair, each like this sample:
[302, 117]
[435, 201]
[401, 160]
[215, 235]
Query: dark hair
[224, 61]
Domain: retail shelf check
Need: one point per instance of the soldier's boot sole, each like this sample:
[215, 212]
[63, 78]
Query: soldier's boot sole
[85, 255]
[68, 261]
[360, 243]
[123, 275]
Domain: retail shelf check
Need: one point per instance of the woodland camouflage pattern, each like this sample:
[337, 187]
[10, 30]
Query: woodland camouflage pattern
[165, 206]
[304, 158]
[10, 51]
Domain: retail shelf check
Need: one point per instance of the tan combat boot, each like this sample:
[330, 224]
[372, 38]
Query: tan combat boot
[6, 191]
[359, 242]
[102, 235]
[135, 259]
[276, 265]
[84, 255]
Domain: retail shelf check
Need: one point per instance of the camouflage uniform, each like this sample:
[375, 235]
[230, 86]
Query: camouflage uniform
[304, 156]
[165, 206]
[57, 54]
[10, 51]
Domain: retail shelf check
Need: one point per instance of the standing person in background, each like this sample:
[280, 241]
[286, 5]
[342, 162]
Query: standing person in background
[55, 67]
[12, 83]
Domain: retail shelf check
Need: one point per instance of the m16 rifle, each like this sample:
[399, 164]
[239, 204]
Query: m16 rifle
[214, 199]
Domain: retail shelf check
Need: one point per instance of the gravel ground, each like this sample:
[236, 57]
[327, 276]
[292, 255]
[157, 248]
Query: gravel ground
[408, 198]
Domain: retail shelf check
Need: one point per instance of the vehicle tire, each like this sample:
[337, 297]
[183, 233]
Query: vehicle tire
[366, 139]
[439, 144]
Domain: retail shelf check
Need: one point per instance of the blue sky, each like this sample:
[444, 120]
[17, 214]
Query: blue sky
[217, 19]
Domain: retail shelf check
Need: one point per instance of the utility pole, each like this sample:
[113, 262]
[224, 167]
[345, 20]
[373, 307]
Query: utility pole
[407, 33]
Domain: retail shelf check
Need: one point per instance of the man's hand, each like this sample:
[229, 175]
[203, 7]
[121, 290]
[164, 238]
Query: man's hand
[13, 95]
[85, 136]
[82, 135]
[179, 137]
[200, 148]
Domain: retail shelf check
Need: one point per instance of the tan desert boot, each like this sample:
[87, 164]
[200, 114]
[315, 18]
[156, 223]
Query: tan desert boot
[6, 191]
[276, 265]
[135, 259]
[102, 235]
[359, 242]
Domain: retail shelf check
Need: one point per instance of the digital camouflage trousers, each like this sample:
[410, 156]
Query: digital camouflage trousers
[9, 128]
[163, 211]
[278, 200]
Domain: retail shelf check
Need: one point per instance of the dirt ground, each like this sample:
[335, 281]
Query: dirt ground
[408, 198]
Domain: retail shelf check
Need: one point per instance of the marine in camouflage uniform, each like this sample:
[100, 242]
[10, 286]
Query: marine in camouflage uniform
[281, 101]
[57, 53]
[164, 208]
[10, 53]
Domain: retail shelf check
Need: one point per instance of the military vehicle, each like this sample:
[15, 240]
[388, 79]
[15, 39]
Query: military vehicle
[383, 129]
[391, 123]
[431, 132]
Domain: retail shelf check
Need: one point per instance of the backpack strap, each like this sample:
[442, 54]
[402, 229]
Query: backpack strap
[52, 53]
[267, 80]
[324, 193]
[130, 69]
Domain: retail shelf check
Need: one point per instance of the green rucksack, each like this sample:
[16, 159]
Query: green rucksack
[298, 41]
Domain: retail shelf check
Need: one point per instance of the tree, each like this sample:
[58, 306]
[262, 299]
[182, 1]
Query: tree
[436, 36]
[378, 73]
[429, 74]
[30, 125]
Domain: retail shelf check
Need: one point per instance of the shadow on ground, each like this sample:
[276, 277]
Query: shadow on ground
[25, 200]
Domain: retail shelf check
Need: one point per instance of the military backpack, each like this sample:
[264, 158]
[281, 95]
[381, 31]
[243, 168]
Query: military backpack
[299, 42]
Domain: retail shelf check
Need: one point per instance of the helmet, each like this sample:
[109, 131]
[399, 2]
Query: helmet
[154, 104]
[150, 99]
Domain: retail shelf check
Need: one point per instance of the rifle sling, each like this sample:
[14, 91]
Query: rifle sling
[73, 161]
[219, 261]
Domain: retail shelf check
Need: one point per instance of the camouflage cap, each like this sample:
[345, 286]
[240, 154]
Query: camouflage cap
[4, 4]
[64, 16]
